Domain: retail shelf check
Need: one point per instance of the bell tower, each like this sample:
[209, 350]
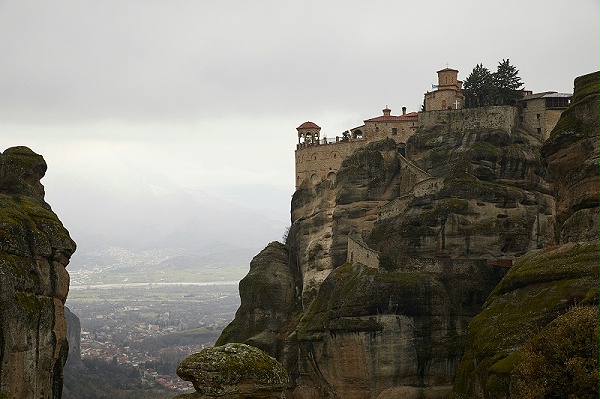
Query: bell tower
[447, 94]
[308, 133]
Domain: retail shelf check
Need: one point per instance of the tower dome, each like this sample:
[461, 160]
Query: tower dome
[308, 133]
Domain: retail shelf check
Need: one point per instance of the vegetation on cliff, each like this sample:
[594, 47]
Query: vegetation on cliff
[447, 220]
[537, 335]
[538, 288]
[233, 369]
[34, 251]
[482, 87]
[561, 360]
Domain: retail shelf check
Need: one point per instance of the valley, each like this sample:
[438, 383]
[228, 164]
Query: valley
[149, 328]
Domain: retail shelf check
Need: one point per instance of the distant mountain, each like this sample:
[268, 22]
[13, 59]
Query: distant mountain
[139, 220]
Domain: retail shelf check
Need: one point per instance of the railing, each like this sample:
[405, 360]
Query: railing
[326, 141]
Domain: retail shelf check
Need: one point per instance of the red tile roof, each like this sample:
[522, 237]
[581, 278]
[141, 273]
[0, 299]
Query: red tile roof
[308, 125]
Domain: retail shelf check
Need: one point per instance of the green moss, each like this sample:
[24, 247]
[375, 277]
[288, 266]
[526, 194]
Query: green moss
[399, 278]
[444, 207]
[485, 150]
[539, 287]
[29, 303]
[507, 364]
[349, 324]
[568, 122]
[3, 395]
[235, 363]
[586, 85]
[591, 297]
[552, 264]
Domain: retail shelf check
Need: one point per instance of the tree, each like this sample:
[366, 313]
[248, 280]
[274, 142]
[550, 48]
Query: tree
[478, 87]
[507, 83]
[561, 361]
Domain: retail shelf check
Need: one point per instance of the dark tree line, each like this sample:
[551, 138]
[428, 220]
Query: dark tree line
[483, 87]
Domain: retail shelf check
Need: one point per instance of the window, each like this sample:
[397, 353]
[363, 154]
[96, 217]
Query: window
[557, 102]
[539, 130]
[537, 116]
[394, 131]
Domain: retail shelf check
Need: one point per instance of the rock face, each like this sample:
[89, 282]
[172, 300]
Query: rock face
[234, 371]
[370, 331]
[546, 283]
[34, 250]
[432, 235]
[393, 258]
[74, 339]
[269, 299]
[571, 154]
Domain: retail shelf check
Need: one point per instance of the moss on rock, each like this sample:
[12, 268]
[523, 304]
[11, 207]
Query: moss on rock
[233, 369]
[539, 287]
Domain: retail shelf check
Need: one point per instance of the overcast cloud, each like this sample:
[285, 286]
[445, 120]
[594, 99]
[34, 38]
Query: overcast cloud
[209, 92]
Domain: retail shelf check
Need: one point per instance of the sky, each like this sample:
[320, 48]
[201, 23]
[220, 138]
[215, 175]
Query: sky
[208, 93]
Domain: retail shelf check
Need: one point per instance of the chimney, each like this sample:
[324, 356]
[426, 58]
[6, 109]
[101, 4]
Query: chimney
[403, 110]
[387, 111]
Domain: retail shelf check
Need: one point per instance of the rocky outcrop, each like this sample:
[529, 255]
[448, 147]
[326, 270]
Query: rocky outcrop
[540, 287]
[370, 331]
[445, 223]
[34, 250]
[324, 215]
[443, 226]
[547, 283]
[233, 371]
[269, 303]
[489, 200]
[74, 339]
[571, 155]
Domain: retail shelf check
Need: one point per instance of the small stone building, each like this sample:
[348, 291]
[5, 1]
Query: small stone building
[397, 127]
[540, 112]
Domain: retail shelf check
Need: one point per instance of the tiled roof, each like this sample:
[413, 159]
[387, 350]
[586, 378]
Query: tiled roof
[392, 118]
[308, 125]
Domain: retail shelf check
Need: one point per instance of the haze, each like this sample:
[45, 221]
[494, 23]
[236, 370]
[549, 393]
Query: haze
[205, 96]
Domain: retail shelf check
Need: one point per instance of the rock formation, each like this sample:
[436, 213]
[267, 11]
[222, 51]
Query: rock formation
[269, 301]
[34, 250]
[549, 282]
[233, 371]
[434, 232]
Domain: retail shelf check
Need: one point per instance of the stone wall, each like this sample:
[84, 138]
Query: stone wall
[319, 162]
[443, 99]
[495, 117]
[359, 252]
[537, 119]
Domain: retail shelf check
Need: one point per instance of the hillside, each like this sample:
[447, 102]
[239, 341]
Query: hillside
[432, 233]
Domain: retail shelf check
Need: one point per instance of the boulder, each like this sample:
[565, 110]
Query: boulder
[234, 371]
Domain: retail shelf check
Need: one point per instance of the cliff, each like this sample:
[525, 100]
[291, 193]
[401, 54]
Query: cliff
[387, 312]
[34, 250]
[548, 289]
